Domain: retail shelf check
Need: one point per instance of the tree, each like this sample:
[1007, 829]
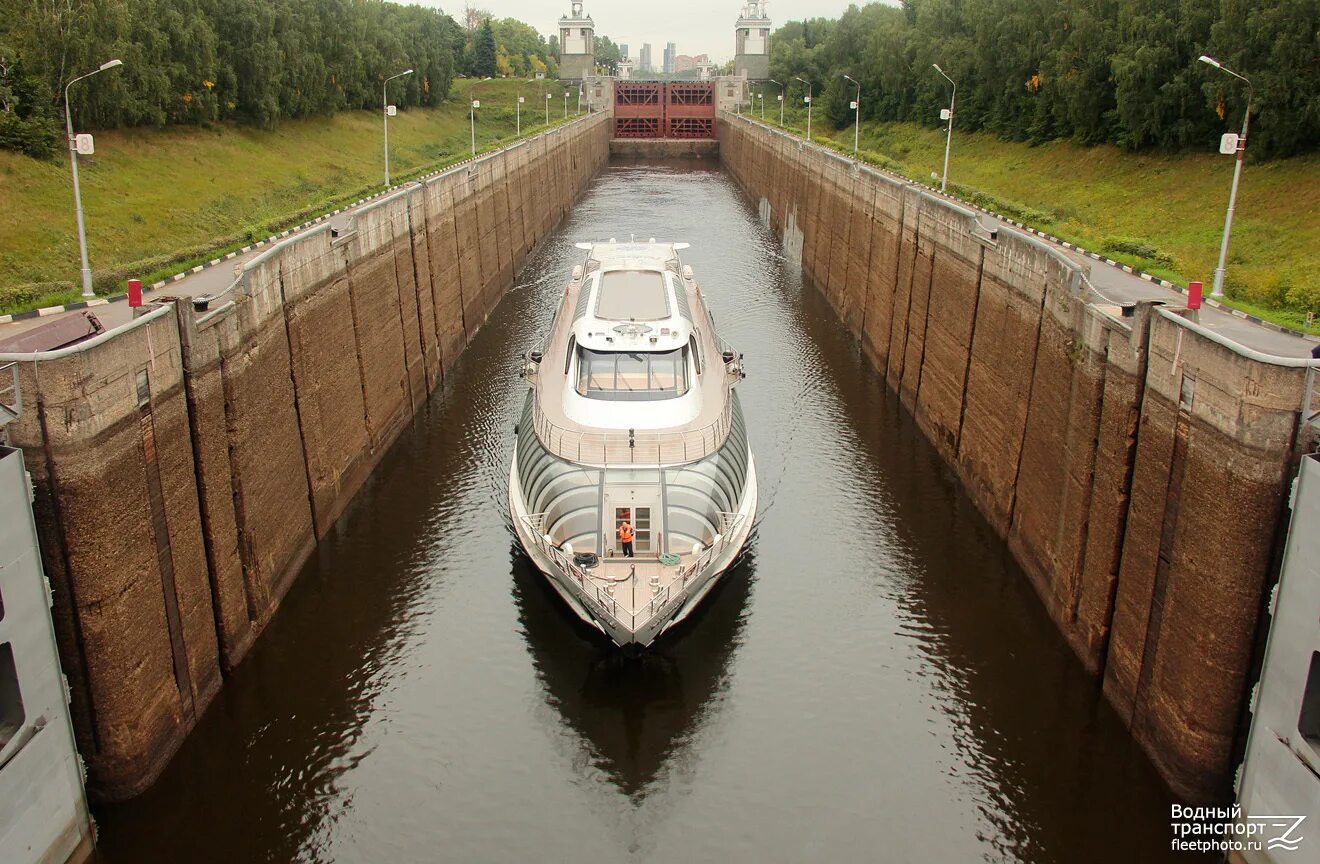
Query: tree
[1277, 45]
[483, 52]
[607, 55]
[1118, 71]
[192, 61]
[26, 123]
[520, 44]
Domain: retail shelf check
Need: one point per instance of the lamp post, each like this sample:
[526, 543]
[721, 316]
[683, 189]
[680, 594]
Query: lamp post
[472, 122]
[948, 138]
[808, 101]
[565, 104]
[579, 107]
[1240, 146]
[517, 116]
[781, 100]
[761, 96]
[547, 109]
[73, 161]
[857, 113]
[386, 106]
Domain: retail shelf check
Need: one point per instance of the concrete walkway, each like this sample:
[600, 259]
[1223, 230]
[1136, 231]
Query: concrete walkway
[1121, 287]
[211, 279]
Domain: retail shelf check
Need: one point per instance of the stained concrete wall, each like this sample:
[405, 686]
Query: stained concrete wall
[185, 468]
[1135, 463]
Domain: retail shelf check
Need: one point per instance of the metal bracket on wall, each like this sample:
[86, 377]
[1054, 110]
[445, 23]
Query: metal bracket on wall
[1309, 413]
[11, 394]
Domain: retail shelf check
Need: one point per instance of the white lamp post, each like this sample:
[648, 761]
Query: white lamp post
[472, 123]
[807, 99]
[781, 100]
[761, 96]
[517, 117]
[73, 161]
[388, 110]
[1239, 145]
[947, 114]
[547, 109]
[565, 104]
[857, 113]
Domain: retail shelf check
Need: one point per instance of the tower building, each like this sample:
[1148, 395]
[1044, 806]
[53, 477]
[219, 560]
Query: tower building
[752, 45]
[577, 44]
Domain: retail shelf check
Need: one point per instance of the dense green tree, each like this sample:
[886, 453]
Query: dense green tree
[1277, 45]
[607, 55]
[520, 49]
[483, 51]
[1120, 71]
[194, 61]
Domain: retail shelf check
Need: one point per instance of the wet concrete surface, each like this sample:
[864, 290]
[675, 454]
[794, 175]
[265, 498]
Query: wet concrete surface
[875, 680]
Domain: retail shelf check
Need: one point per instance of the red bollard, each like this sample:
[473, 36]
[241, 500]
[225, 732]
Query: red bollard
[134, 293]
[1194, 295]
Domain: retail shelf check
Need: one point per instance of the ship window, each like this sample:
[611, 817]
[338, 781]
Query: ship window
[568, 357]
[696, 353]
[631, 375]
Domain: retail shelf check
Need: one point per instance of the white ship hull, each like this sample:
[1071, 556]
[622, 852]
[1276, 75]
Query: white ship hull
[631, 439]
[585, 600]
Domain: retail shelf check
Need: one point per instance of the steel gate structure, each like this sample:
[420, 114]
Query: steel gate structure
[653, 109]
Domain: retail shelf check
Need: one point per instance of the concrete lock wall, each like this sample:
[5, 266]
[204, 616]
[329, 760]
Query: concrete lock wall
[1135, 463]
[186, 467]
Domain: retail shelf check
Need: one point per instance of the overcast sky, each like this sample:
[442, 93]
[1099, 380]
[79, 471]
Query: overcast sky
[695, 26]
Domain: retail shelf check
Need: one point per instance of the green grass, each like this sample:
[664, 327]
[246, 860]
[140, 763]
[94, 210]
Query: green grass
[1159, 212]
[160, 201]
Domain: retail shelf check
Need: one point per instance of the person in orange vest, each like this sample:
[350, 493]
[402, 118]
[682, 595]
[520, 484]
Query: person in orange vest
[626, 536]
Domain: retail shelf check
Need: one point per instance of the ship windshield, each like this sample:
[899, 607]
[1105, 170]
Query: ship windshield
[631, 375]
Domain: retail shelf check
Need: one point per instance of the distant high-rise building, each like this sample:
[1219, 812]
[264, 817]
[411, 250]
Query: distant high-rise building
[644, 61]
[670, 51]
[623, 51]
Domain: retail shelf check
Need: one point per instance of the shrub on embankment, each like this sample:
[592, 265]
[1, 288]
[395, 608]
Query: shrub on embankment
[159, 201]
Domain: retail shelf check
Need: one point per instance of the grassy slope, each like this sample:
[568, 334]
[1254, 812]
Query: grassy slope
[1174, 202]
[150, 193]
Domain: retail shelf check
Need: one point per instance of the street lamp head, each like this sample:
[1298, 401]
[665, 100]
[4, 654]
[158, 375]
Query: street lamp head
[406, 72]
[110, 64]
[937, 68]
[1205, 58]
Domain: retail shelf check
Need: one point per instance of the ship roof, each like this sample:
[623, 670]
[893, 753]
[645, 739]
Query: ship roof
[633, 298]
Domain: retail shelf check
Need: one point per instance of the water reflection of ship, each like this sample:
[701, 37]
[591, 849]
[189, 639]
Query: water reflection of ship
[633, 714]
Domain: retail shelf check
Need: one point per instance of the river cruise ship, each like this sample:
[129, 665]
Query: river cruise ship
[632, 486]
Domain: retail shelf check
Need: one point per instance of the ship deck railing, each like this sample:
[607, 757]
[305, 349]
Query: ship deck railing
[631, 446]
[605, 598]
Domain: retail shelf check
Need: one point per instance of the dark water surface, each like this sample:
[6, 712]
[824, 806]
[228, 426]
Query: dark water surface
[875, 681]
